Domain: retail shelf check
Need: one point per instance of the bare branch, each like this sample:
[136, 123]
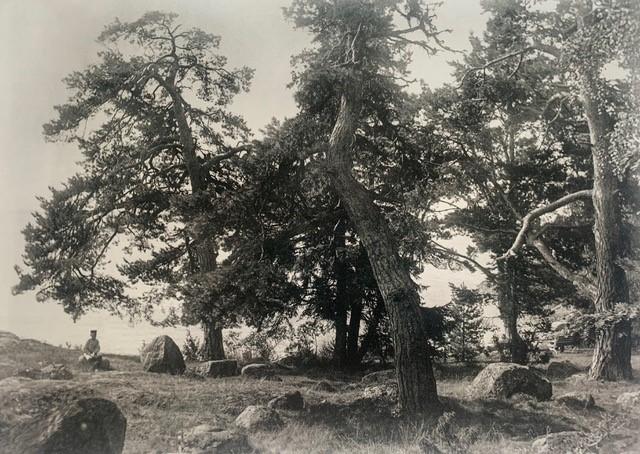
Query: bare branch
[466, 260]
[526, 221]
[516, 53]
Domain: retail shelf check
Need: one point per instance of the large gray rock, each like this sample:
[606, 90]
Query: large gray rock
[577, 400]
[256, 417]
[162, 355]
[47, 417]
[288, 401]
[214, 440]
[220, 368]
[502, 380]
[562, 369]
[629, 401]
[559, 443]
[379, 377]
[258, 370]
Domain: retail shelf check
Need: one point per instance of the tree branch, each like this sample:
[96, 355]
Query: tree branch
[526, 221]
[582, 283]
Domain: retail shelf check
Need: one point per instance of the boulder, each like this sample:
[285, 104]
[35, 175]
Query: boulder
[324, 386]
[287, 401]
[162, 355]
[256, 417]
[257, 370]
[559, 443]
[577, 400]
[47, 417]
[502, 380]
[379, 377]
[220, 368]
[213, 440]
[562, 369]
[629, 401]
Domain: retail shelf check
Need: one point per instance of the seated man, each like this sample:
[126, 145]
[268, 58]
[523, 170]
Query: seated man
[91, 353]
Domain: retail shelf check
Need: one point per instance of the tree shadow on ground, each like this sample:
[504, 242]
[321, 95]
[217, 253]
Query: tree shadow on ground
[462, 422]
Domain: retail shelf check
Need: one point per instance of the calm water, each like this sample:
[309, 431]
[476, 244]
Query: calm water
[47, 322]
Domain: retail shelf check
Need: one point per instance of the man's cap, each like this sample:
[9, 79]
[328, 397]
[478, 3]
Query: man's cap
[93, 331]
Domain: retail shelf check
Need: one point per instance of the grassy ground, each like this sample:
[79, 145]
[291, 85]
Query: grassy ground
[159, 408]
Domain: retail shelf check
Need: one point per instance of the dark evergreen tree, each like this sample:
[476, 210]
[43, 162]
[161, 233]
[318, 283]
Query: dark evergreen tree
[466, 330]
[518, 142]
[152, 122]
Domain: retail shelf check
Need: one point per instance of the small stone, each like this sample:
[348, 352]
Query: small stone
[380, 376]
[57, 372]
[577, 400]
[387, 391]
[324, 386]
[214, 439]
[49, 372]
[559, 443]
[257, 370]
[256, 417]
[272, 378]
[629, 401]
[561, 369]
[288, 401]
[427, 447]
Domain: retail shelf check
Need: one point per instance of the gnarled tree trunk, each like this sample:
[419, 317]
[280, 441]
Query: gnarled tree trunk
[612, 353]
[416, 384]
[205, 249]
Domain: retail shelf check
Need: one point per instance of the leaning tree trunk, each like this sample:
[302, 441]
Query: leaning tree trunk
[612, 353]
[206, 251]
[416, 384]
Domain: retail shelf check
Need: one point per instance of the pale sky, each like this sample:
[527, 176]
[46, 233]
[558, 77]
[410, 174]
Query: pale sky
[41, 41]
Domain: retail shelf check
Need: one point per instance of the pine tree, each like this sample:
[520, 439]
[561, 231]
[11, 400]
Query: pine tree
[466, 327]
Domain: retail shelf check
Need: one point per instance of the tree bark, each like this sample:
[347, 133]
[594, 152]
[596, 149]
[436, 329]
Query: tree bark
[417, 391]
[205, 249]
[353, 335]
[509, 313]
[213, 346]
[341, 299]
[612, 353]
